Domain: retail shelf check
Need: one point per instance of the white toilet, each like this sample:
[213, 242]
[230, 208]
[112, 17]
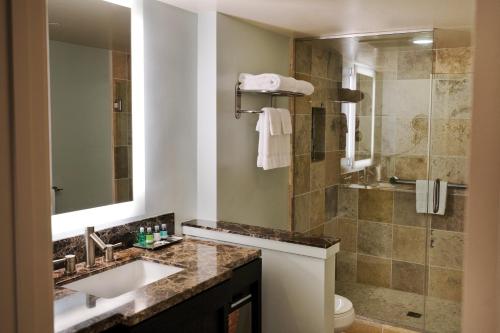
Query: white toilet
[344, 314]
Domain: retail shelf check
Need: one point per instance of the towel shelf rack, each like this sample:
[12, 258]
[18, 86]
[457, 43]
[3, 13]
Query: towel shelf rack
[272, 93]
[396, 180]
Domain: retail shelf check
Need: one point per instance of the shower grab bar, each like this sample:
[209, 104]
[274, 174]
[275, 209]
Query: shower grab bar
[396, 180]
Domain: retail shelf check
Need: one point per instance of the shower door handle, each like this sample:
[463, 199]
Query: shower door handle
[435, 197]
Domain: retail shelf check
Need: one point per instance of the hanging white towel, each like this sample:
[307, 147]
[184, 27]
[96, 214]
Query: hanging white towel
[270, 81]
[286, 121]
[425, 196]
[273, 150]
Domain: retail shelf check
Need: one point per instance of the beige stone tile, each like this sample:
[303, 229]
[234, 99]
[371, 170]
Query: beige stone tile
[375, 205]
[374, 271]
[450, 137]
[347, 232]
[445, 283]
[405, 210]
[303, 104]
[316, 231]
[453, 219]
[317, 175]
[332, 168]
[335, 66]
[332, 132]
[331, 228]
[320, 58]
[451, 96]
[405, 98]
[320, 96]
[302, 135]
[442, 316]
[348, 203]
[303, 56]
[331, 202]
[120, 65]
[317, 208]
[120, 128]
[408, 277]
[375, 239]
[121, 164]
[410, 167]
[301, 174]
[447, 249]
[345, 266]
[301, 212]
[409, 243]
[451, 169]
[123, 190]
[414, 64]
[453, 60]
[411, 135]
[364, 326]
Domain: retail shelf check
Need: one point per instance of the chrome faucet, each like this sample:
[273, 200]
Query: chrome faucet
[91, 239]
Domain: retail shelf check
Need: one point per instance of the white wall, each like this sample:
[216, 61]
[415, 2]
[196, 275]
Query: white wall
[207, 116]
[170, 60]
[81, 101]
[245, 193]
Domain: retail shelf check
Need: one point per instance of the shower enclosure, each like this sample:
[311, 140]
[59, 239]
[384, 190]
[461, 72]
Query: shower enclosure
[391, 105]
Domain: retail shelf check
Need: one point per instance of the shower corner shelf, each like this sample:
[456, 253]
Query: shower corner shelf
[272, 93]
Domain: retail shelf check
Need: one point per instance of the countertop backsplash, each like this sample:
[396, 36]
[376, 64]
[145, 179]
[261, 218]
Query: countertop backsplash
[125, 233]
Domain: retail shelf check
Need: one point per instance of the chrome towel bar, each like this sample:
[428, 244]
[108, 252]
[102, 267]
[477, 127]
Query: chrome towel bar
[272, 93]
[396, 180]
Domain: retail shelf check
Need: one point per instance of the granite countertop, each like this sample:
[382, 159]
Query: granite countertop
[262, 232]
[205, 264]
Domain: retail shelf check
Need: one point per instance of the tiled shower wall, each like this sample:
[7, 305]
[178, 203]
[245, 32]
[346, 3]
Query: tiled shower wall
[122, 127]
[389, 259]
[315, 183]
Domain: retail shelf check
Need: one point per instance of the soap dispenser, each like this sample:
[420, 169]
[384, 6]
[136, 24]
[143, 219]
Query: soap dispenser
[163, 231]
[149, 236]
[141, 236]
[156, 234]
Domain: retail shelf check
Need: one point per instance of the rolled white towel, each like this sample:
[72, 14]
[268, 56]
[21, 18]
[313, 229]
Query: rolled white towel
[270, 81]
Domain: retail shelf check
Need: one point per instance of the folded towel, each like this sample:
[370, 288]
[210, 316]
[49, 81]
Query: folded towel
[274, 120]
[273, 150]
[286, 121]
[269, 81]
[425, 196]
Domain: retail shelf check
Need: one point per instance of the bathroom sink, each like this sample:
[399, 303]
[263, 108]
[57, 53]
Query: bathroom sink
[122, 279]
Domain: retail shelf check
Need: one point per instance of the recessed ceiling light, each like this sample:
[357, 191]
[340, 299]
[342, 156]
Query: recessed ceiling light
[422, 41]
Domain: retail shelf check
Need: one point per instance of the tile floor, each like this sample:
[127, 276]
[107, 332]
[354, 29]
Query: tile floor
[391, 306]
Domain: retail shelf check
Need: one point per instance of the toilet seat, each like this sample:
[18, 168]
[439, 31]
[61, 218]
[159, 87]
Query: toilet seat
[342, 305]
[344, 314]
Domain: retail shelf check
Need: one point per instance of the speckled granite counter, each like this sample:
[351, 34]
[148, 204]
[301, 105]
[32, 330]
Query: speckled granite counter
[265, 233]
[205, 264]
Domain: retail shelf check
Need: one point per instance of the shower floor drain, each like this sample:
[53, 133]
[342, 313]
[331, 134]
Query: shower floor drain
[414, 314]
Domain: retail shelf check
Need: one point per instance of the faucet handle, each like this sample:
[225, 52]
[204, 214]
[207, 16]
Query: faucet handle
[108, 252]
[70, 263]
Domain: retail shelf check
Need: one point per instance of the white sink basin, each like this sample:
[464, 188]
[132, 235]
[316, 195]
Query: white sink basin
[122, 279]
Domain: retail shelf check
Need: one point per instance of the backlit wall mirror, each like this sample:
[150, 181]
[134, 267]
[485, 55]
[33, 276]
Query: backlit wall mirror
[360, 117]
[96, 112]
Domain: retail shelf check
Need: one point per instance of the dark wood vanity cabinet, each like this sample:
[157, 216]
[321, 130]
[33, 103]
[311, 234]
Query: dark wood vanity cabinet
[208, 312]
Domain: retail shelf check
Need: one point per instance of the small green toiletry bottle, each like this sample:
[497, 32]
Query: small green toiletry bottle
[149, 236]
[156, 234]
[141, 236]
[163, 232]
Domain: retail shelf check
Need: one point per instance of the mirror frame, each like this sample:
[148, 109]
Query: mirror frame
[73, 223]
[349, 162]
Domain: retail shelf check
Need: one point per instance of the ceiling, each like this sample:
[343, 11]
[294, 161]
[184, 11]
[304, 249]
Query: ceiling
[316, 18]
